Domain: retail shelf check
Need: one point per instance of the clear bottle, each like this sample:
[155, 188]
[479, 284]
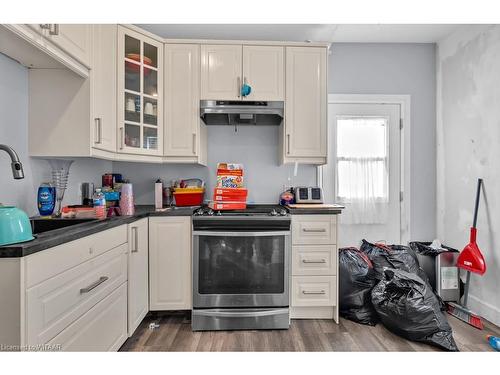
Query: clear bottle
[99, 204]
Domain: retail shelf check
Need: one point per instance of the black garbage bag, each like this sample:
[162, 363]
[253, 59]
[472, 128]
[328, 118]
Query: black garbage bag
[357, 279]
[408, 307]
[392, 256]
[424, 248]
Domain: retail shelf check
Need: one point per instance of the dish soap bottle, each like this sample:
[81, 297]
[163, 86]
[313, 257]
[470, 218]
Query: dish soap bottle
[46, 199]
[99, 204]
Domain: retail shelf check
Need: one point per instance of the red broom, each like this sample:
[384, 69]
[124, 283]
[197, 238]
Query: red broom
[471, 260]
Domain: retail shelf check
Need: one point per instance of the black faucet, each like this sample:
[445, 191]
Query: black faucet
[17, 167]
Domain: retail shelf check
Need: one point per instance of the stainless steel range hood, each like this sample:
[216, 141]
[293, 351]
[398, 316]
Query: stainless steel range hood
[227, 112]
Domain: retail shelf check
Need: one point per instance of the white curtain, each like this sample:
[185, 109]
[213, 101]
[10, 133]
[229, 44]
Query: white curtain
[363, 189]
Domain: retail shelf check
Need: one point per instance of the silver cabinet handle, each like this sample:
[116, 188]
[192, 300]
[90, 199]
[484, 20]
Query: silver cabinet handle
[314, 230]
[314, 261]
[313, 292]
[135, 248]
[239, 87]
[98, 122]
[54, 31]
[94, 285]
[194, 143]
[122, 136]
[288, 144]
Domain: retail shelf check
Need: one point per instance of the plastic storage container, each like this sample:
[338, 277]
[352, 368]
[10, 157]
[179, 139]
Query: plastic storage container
[188, 196]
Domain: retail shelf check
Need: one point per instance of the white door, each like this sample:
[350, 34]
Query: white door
[221, 72]
[138, 276]
[364, 171]
[264, 71]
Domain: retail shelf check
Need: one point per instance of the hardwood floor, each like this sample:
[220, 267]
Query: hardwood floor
[174, 334]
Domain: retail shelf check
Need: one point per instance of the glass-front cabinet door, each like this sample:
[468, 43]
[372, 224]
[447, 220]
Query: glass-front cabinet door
[140, 94]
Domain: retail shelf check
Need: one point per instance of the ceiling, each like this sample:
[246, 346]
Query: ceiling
[429, 33]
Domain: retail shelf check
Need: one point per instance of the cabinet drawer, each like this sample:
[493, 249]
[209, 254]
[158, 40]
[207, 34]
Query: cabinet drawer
[102, 328]
[314, 260]
[314, 230]
[57, 302]
[314, 291]
[48, 263]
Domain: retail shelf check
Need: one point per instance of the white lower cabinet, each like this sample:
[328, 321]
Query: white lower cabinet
[57, 302]
[314, 280]
[75, 295]
[138, 275]
[102, 328]
[170, 282]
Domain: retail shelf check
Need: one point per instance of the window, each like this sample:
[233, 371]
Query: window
[362, 159]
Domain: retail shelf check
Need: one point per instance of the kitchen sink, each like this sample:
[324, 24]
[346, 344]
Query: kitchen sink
[40, 225]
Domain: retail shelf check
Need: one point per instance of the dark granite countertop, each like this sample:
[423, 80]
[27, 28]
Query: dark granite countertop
[59, 236]
[316, 211]
[56, 237]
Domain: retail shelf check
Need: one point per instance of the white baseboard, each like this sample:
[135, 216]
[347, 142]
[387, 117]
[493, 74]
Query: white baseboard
[485, 309]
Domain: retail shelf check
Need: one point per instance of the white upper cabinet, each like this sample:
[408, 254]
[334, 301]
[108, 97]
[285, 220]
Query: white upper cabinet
[263, 71]
[140, 94]
[226, 68]
[306, 105]
[103, 87]
[182, 100]
[221, 72]
[75, 39]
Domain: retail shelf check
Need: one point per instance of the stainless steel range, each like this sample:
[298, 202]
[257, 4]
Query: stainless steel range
[240, 268]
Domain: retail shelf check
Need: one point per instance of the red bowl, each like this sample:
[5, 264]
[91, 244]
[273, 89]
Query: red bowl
[135, 68]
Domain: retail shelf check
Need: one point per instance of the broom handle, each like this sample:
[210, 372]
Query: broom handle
[478, 193]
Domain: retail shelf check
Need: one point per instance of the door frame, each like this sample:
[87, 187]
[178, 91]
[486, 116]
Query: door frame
[404, 102]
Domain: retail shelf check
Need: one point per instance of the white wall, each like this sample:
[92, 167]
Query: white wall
[14, 132]
[393, 68]
[468, 140]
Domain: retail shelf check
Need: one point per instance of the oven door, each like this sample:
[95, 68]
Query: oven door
[241, 269]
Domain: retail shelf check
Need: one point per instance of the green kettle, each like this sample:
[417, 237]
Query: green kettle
[15, 226]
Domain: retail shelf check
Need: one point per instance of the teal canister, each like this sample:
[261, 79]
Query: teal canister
[15, 226]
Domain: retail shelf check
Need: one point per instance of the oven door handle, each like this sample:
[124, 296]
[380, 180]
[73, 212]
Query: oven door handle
[241, 314]
[240, 234]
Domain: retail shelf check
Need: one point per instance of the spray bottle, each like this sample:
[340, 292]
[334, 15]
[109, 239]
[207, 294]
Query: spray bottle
[494, 342]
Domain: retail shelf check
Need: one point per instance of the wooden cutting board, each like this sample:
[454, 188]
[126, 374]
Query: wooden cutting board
[314, 205]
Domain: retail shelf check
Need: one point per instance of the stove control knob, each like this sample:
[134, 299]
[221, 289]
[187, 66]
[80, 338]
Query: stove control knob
[283, 212]
[273, 212]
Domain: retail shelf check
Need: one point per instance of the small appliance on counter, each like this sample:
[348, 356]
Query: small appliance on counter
[308, 195]
[15, 226]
